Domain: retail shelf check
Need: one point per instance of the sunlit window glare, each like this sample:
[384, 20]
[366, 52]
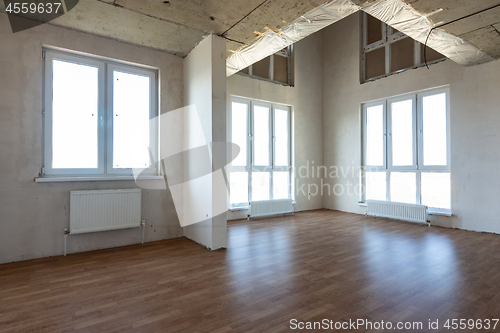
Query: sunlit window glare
[402, 133]
[131, 105]
[239, 125]
[74, 115]
[261, 135]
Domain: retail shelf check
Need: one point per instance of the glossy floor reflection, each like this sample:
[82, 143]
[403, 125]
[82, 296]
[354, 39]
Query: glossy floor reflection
[309, 267]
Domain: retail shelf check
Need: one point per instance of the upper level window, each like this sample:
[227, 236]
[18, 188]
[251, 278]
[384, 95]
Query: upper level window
[386, 50]
[96, 116]
[277, 68]
[406, 149]
[262, 170]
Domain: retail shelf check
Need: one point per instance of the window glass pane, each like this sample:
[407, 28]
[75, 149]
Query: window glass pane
[238, 187]
[261, 68]
[402, 54]
[436, 190]
[74, 115]
[280, 185]
[375, 135]
[131, 99]
[281, 133]
[239, 116]
[261, 135]
[430, 53]
[375, 63]
[402, 133]
[280, 69]
[260, 186]
[404, 187]
[434, 129]
[374, 30]
[376, 186]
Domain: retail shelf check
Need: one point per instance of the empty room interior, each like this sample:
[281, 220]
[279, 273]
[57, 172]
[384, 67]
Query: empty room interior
[249, 166]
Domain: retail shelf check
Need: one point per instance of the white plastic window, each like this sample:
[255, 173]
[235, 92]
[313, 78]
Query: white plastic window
[97, 116]
[406, 150]
[262, 170]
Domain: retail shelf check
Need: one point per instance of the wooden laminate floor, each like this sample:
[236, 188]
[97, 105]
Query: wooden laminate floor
[309, 267]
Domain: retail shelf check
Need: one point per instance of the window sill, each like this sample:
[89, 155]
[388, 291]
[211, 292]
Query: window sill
[246, 207]
[239, 208]
[440, 213]
[59, 179]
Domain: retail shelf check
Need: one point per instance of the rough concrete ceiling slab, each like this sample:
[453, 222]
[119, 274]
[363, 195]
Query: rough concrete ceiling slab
[486, 39]
[451, 9]
[176, 26]
[476, 29]
[474, 22]
[104, 19]
[213, 16]
[272, 14]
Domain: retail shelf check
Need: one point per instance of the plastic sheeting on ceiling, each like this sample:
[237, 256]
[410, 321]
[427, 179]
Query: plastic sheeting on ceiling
[396, 13]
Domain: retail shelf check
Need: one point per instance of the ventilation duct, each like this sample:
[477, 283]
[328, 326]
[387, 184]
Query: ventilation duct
[271, 42]
[396, 13]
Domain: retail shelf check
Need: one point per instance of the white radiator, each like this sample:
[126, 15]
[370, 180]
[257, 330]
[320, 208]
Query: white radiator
[270, 207]
[396, 210]
[92, 211]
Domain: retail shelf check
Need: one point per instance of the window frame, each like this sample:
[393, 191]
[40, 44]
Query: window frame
[389, 161]
[288, 55]
[388, 38]
[418, 167]
[105, 114]
[250, 167]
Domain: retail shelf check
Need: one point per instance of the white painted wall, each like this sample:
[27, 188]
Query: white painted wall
[34, 215]
[475, 123]
[205, 87]
[307, 106]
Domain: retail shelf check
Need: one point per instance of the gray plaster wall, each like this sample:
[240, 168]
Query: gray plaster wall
[34, 215]
[475, 123]
[307, 106]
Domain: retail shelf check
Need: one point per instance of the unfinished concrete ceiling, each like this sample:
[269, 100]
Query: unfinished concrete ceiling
[176, 26]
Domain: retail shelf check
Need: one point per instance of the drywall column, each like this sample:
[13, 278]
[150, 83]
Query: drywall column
[205, 88]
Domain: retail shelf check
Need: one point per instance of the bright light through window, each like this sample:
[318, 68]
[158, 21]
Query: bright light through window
[280, 185]
[402, 133]
[239, 115]
[130, 120]
[404, 187]
[262, 171]
[375, 135]
[281, 134]
[376, 186]
[412, 165]
[261, 135]
[436, 189]
[260, 186]
[74, 115]
[434, 128]
[97, 117]
[239, 187]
